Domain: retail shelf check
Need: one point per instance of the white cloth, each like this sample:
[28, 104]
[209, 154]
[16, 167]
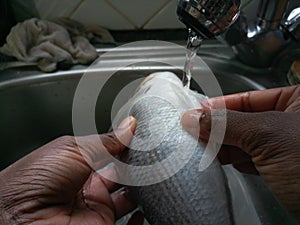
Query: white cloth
[52, 45]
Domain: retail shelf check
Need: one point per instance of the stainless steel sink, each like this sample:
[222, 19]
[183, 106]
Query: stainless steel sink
[37, 107]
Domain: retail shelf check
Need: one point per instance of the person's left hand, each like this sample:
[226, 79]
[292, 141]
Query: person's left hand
[56, 185]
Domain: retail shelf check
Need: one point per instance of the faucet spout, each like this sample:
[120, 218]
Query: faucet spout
[206, 17]
[260, 43]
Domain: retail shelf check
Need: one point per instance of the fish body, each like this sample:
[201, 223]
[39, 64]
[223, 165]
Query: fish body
[168, 185]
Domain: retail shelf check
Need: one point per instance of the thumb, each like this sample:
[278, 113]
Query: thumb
[98, 150]
[58, 170]
[243, 130]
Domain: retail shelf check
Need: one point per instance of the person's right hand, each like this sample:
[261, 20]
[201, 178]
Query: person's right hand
[264, 128]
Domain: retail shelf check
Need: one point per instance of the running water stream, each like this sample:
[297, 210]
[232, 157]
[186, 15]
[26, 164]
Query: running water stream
[193, 44]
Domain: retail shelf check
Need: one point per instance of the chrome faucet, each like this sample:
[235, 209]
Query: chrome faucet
[272, 40]
[208, 18]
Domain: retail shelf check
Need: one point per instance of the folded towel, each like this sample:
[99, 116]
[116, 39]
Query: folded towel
[53, 45]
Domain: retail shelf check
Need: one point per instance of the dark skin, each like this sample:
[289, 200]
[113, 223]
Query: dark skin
[262, 137]
[56, 185]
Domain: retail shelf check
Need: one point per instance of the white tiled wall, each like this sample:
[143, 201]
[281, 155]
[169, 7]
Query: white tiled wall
[101, 13]
[138, 12]
[112, 14]
[165, 18]
[50, 9]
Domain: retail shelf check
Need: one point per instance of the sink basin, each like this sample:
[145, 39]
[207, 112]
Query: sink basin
[37, 108]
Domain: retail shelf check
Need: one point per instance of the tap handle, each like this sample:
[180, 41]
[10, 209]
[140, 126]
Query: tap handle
[208, 18]
[293, 23]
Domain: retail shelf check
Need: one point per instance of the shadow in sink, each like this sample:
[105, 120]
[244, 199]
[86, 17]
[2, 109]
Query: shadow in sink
[37, 108]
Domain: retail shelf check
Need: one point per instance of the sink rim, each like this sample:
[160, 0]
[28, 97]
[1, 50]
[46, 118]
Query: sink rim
[218, 56]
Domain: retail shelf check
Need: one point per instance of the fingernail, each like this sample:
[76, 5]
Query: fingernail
[197, 123]
[205, 125]
[190, 122]
[127, 123]
[126, 194]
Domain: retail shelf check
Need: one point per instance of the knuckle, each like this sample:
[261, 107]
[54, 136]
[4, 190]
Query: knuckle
[66, 140]
[67, 143]
[110, 141]
[268, 134]
[250, 130]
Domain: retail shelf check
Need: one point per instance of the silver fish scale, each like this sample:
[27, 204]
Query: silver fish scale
[148, 144]
[189, 197]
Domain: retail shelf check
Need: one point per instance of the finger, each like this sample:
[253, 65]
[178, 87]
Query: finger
[238, 158]
[75, 157]
[122, 203]
[258, 101]
[136, 219]
[95, 151]
[248, 168]
[60, 167]
[108, 177]
[98, 150]
[96, 195]
[243, 130]
[231, 155]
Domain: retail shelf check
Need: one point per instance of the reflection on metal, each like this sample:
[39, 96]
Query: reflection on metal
[266, 41]
[218, 56]
[208, 18]
[293, 23]
[260, 43]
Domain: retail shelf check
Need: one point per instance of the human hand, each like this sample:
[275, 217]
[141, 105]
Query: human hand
[264, 128]
[56, 185]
